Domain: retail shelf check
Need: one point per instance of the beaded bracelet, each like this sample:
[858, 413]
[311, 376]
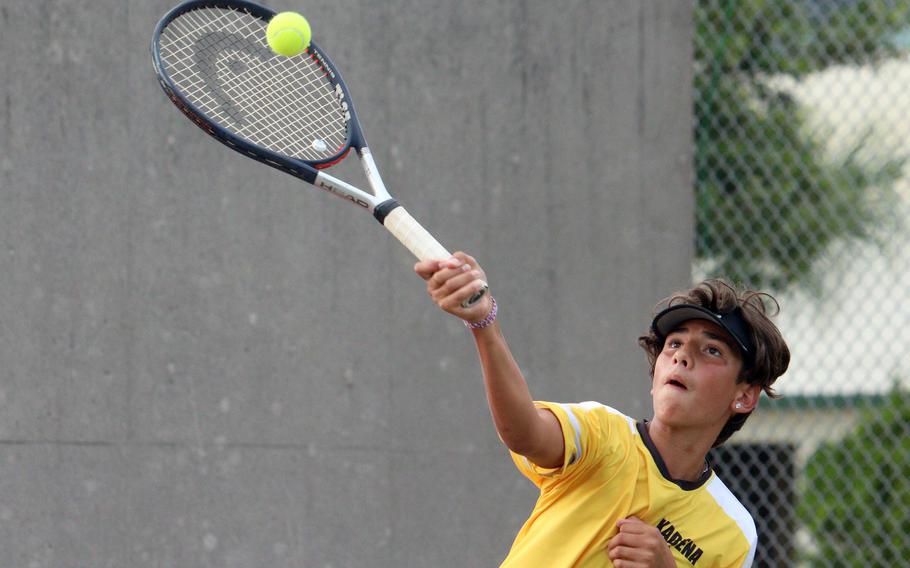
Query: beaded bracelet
[485, 322]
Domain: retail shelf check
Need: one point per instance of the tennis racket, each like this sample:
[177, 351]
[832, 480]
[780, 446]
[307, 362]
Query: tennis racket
[292, 113]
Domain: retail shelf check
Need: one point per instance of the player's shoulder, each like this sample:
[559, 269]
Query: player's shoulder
[590, 412]
[732, 507]
[592, 431]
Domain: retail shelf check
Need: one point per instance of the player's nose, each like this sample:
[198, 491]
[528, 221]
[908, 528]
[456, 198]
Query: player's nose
[681, 357]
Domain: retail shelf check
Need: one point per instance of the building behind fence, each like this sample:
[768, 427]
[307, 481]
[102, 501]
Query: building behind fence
[802, 128]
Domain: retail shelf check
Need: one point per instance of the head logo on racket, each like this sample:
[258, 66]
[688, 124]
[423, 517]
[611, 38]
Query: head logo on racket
[292, 113]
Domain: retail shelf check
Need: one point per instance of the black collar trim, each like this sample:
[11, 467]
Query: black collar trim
[642, 426]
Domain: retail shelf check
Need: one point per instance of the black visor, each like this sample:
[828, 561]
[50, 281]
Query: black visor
[732, 322]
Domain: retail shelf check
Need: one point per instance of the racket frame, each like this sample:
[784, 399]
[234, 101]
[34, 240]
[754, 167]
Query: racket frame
[308, 171]
[380, 203]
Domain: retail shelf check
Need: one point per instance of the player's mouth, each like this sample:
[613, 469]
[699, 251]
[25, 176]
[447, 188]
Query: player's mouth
[675, 382]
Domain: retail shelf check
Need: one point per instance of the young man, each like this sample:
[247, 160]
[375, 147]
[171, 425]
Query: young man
[613, 491]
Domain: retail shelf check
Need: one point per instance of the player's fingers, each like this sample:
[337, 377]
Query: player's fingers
[626, 540]
[459, 295]
[617, 540]
[455, 283]
[444, 267]
[630, 556]
[641, 533]
[442, 276]
[452, 302]
[619, 553]
[638, 544]
[469, 260]
[426, 268]
[633, 525]
[613, 544]
[623, 563]
[453, 261]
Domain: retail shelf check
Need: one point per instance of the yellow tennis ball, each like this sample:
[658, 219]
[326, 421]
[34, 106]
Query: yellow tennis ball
[288, 34]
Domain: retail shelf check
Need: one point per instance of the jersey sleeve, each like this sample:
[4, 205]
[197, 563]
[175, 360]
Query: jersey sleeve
[592, 433]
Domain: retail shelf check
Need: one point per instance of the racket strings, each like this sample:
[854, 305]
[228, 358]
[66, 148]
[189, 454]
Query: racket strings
[263, 103]
[219, 60]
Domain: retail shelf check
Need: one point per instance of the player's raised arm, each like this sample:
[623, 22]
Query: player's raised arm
[527, 430]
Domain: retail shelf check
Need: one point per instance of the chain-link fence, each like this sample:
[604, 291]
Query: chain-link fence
[803, 188]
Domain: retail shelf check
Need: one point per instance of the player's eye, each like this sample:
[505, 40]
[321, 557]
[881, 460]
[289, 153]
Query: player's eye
[714, 351]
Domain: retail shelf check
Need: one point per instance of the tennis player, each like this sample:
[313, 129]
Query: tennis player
[615, 491]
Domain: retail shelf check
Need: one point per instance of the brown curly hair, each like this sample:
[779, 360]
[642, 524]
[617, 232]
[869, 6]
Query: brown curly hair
[772, 356]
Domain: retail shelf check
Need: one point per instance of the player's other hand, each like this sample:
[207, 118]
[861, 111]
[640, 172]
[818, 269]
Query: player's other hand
[451, 281]
[639, 545]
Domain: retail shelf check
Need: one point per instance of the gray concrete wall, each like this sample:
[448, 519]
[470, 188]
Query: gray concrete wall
[195, 371]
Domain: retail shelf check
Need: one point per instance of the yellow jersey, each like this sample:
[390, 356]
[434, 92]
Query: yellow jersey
[611, 470]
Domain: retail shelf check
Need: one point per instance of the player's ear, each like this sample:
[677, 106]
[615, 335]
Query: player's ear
[747, 399]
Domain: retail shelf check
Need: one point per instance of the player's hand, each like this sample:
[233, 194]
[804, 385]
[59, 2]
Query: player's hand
[639, 545]
[454, 280]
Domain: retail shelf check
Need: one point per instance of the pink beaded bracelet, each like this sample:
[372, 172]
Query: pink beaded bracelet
[485, 322]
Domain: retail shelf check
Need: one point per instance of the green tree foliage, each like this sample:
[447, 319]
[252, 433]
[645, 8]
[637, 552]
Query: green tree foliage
[769, 201]
[856, 498]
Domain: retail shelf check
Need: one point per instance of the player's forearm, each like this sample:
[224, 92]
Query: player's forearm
[525, 430]
[511, 405]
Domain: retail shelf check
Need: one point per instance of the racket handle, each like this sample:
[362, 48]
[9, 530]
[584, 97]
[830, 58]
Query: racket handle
[413, 236]
[420, 242]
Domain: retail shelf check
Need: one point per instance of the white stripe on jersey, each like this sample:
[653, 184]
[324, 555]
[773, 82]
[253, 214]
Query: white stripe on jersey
[576, 427]
[731, 505]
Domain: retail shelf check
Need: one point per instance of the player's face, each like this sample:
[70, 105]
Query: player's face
[695, 376]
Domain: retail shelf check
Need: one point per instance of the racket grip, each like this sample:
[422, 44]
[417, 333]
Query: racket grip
[413, 236]
[421, 243]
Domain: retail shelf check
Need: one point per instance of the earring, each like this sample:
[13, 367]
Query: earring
[739, 405]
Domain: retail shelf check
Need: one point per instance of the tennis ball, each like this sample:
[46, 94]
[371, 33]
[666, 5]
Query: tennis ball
[288, 34]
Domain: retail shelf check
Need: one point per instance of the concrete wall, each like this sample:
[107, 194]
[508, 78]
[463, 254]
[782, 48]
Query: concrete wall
[196, 371]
